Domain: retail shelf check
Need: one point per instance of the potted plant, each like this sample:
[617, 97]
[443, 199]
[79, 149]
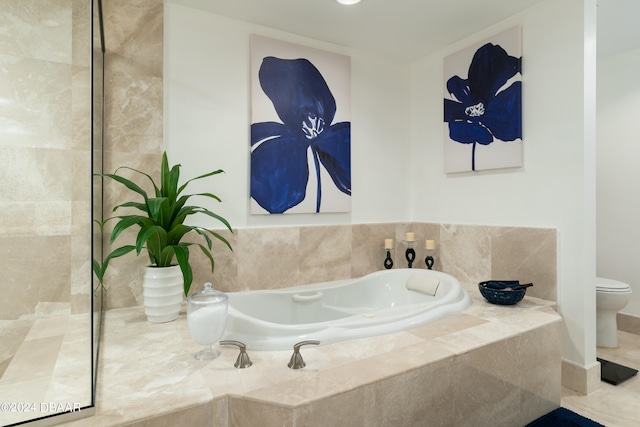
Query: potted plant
[160, 221]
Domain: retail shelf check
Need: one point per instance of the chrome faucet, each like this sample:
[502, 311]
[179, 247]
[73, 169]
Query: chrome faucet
[243, 360]
[296, 361]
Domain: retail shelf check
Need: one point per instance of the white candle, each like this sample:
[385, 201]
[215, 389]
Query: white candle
[430, 244]
[388, 243]
[411, 237]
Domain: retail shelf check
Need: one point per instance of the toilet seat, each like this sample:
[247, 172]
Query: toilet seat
[611, 286]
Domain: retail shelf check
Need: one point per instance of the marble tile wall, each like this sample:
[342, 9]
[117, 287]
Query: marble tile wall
[134, 119]
[478, 388]
[271, 258]
[477, 253]
[45, 175]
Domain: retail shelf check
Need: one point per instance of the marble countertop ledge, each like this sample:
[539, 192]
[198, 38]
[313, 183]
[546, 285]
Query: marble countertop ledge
[147, 370]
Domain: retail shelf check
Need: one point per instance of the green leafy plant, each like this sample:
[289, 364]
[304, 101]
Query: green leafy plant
[161, 222]
[100, 266]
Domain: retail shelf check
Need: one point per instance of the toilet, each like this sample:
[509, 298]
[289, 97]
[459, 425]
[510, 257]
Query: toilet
[611, 297]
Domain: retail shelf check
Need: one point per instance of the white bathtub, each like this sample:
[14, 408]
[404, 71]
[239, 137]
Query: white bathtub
[376, 304]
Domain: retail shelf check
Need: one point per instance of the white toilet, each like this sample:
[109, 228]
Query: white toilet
[611, 297]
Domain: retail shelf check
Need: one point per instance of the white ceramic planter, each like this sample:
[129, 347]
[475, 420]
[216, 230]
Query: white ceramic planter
[163, 288]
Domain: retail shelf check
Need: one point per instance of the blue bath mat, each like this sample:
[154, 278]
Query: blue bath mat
[562, 417]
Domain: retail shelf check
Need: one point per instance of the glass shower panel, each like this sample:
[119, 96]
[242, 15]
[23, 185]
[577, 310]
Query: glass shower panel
[46, 302]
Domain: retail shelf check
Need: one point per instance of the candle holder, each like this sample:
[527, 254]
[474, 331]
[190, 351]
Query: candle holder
[388, 262]
[410, 253]
[430, 245]
[429, 260]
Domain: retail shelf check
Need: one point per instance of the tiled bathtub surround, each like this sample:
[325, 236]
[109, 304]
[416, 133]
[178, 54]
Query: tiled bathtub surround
[269, 258]
[490, 365]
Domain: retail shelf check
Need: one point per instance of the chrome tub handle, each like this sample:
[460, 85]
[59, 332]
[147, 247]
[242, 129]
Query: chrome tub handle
[243, 360]
[296, 361]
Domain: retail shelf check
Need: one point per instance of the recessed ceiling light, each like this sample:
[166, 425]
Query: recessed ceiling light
[348, 1]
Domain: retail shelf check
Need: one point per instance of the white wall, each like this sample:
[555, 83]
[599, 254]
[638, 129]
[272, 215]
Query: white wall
[207, 114]
[618, 172]
[397, 136]
[551, 189]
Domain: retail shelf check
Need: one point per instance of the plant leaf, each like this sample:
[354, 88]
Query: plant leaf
[203, 232]
[172, 190]
[124, 223]
[175, 211]
[218, 236]
[157, 190]
[199, 177]
[165, 258]
[216, 216]
[222, 239]
[129, 184]
[183, 213]
[208, 254]
[156, 245]
[116, 253]
[97, 270]
[164, 175]
[100, 269]
[209, 195]
[154, 205]
[144, 235]
[140, 206]
[177, 232]
[182, 255]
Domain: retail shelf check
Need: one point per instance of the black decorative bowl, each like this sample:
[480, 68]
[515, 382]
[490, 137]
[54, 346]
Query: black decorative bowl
[503, 292]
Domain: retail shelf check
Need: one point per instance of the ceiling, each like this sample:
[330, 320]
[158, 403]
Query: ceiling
[414, 30]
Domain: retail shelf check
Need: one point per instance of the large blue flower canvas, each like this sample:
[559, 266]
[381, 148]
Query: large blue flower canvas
[483, 105]
[300, 129]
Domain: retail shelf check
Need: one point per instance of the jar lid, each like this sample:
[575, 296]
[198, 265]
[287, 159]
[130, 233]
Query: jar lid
[208, 296]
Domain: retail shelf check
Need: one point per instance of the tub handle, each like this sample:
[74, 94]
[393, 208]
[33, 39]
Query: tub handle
[307, 298]
[296, 361]
[243, 360]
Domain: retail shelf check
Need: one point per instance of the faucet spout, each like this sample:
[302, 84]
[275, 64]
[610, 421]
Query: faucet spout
[296, 361]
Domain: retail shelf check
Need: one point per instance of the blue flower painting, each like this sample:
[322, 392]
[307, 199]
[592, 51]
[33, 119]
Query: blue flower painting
[486, 106]
[305, 140]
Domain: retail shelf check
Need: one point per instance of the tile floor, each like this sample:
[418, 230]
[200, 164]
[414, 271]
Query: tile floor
[613, 406]
[53, 365]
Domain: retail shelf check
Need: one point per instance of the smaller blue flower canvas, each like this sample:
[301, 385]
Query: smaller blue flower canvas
[300, 129]
[483, 105]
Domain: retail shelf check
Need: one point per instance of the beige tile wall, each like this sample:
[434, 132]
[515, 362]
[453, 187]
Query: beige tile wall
[45, 155]
[134, 31]
[479, 387]
[271, 258]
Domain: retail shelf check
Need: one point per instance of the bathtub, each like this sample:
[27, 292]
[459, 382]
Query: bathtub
[376, 304]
